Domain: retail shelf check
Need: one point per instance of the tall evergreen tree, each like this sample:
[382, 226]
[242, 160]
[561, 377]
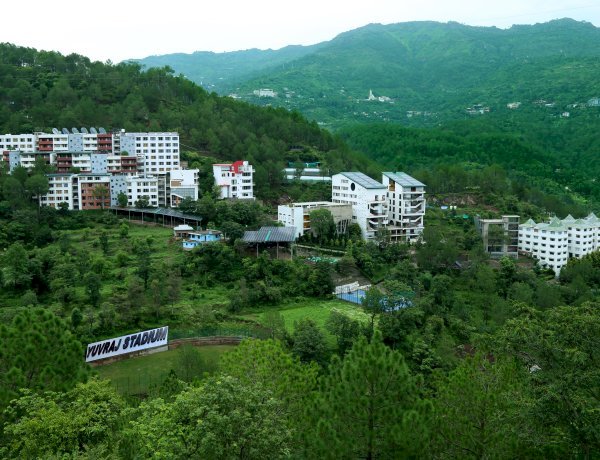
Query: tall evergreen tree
[368, 407]
[37, 351]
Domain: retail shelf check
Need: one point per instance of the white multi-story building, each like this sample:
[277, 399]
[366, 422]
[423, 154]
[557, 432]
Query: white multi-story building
[406, 206]
[157, 153]
[306, 174]
[142, 186]
[17, 142]
[235, 179]
[546, 242]
[367, 197]
[553, 243]
[183, 183]
[297, 215]
[28, 159]
[61, 188]
[584, 235]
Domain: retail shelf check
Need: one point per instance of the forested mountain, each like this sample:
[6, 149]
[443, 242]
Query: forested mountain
[475, 156]
[440, 69]
[221, 71]
[41, 90]
[463, 356]
[524, 98]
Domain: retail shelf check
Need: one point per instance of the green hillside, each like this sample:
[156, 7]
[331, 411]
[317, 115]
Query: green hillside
[221, 71]
[434, 71]
[40, 90]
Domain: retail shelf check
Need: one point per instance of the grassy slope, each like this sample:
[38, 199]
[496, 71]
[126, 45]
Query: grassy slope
[315, 309]
[137, 375]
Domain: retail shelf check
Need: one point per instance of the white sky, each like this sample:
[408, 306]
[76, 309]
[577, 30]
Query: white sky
[118, 30]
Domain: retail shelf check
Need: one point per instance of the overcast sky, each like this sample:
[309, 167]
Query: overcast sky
[117, 30]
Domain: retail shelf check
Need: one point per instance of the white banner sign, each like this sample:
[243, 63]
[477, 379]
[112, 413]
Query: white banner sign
[127, 344]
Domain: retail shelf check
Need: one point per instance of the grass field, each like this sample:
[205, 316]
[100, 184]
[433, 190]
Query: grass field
[317, 310]
[137, 375]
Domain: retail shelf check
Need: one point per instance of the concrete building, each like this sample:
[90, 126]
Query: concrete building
[235, 179]
[87, 185]
[27, 159]
[157, 153]
[122, 164]
[96, 152]
[142, 186]
[297, 215]
[55, 142]
[367, 197]
[500, 236]
[17, 142]
[198, 237]
[584, 235]
[183, 183]
[306, 175]
[553, 243]
[61, 188]
[406, 206]
[118, 185]
[546, 242]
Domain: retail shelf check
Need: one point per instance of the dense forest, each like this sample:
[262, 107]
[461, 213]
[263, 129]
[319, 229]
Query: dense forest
[434, 70]
[546, 143]
[477, 157]
[448, 355]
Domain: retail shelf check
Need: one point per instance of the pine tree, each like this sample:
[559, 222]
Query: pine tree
[368, 407]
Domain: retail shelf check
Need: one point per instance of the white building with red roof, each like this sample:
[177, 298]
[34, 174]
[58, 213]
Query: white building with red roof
[235, 179]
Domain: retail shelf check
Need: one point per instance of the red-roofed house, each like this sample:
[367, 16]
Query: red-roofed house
[235, 179]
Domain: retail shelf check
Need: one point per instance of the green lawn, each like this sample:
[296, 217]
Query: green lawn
[317, 310]
[137, 375]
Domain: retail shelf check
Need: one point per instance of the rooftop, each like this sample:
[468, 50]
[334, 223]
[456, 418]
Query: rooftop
[161, 212]
[403, 179]
[363, 180]
[270, 235]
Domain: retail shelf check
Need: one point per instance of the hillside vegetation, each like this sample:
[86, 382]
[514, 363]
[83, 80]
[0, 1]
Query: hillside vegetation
[40, 90]
[428, 67]
[471, 159]
[456, 81]
[220, 71]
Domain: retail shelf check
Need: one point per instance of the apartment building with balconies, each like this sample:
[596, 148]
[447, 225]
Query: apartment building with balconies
[406, 206]
[88, 186]
[367, 197]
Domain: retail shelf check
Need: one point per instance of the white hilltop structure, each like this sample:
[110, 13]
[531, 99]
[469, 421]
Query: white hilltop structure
[554, 242]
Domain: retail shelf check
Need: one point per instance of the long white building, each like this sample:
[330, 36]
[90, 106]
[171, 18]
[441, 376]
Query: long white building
[156, 153]
[367, 197]
[297, 215]
[553, 243]
[406, 206]
[96, 153]
[236, 180]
